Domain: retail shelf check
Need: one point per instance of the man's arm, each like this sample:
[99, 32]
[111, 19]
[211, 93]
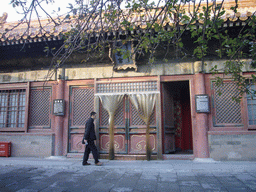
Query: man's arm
[88, 126]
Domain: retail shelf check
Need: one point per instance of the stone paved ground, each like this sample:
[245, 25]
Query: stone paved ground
[45, 175]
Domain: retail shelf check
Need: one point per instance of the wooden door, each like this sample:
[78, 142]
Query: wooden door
[129, 130]
[168, 119]
[81, 105]
[120, 129]
[137, 132]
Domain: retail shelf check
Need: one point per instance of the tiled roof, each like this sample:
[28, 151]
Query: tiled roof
[52, 32]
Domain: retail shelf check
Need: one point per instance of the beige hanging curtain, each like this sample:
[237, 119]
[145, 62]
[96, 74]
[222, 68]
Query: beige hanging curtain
[110, 104]
[146, 103]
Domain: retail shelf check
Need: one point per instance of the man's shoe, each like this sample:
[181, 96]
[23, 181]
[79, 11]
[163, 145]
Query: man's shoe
[99, 164]
[86, 164]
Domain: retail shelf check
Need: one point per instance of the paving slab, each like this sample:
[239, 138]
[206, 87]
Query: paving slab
[68, 174]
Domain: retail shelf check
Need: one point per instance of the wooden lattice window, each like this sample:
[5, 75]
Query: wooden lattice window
[12, 108]
[227, 111]
[104, 117]
[39, 111]
[251, 107]
[119, 118]
[136, 120]
[83, 105]
[127, 87]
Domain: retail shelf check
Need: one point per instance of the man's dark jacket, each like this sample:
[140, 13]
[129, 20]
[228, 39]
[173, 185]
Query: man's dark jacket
[89, 133]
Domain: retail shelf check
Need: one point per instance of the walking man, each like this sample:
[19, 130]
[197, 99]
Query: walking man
[88, 139]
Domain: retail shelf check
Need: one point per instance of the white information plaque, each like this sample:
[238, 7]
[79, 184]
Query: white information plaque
[202, 104]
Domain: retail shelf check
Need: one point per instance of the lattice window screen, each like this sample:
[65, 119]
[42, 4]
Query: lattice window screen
[104, 116]
[136, 120]
[39, 112]
[83, 105]
[127, 87]
[119, 116]
[227, 110]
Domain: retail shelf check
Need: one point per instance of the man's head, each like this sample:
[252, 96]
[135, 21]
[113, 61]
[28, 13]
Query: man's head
[93, 115]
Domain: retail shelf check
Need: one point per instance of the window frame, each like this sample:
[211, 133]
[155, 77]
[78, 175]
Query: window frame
[32, 128]
[248, 126]
[225, 126]
[20, 86]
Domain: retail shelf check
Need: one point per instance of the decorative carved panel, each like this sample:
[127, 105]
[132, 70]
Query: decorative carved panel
[76, 143]
[138, 143]
[119, 143]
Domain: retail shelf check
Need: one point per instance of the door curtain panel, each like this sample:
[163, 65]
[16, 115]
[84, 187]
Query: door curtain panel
[110, 104]
[142, 101]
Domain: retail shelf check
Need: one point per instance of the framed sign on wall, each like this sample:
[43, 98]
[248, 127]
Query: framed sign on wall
[202, 104]
[59, 107]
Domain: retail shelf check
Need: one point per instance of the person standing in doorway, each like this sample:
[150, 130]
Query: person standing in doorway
[88, 139]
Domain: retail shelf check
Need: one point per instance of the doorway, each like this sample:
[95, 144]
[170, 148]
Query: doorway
[177, 126]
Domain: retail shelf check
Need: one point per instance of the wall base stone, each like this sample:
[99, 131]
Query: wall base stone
[30, 145]
[233, 147]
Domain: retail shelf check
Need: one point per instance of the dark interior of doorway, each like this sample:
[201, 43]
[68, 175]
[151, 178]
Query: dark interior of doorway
[180, 93]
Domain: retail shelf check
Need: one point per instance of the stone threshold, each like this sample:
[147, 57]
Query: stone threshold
[136, 157]
[178, 157]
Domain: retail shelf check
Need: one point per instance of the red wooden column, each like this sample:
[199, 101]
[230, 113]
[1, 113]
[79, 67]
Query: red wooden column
[201, 147]
[59, 121]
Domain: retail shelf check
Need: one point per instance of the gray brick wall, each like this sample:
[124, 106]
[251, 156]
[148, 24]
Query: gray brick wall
[232, 147]
[30, 145]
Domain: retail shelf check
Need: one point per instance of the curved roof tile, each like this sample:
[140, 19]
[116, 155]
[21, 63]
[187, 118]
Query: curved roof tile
[11, 33]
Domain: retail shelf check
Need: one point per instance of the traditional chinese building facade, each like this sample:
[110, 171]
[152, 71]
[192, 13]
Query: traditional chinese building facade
[189, 118]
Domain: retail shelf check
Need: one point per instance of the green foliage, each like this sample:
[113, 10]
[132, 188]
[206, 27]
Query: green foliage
[150, 24]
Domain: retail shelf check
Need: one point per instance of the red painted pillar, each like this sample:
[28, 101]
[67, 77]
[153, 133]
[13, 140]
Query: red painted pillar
[59, 121]
[201, 146]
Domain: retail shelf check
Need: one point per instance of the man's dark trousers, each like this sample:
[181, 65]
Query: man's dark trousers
[90, 147]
